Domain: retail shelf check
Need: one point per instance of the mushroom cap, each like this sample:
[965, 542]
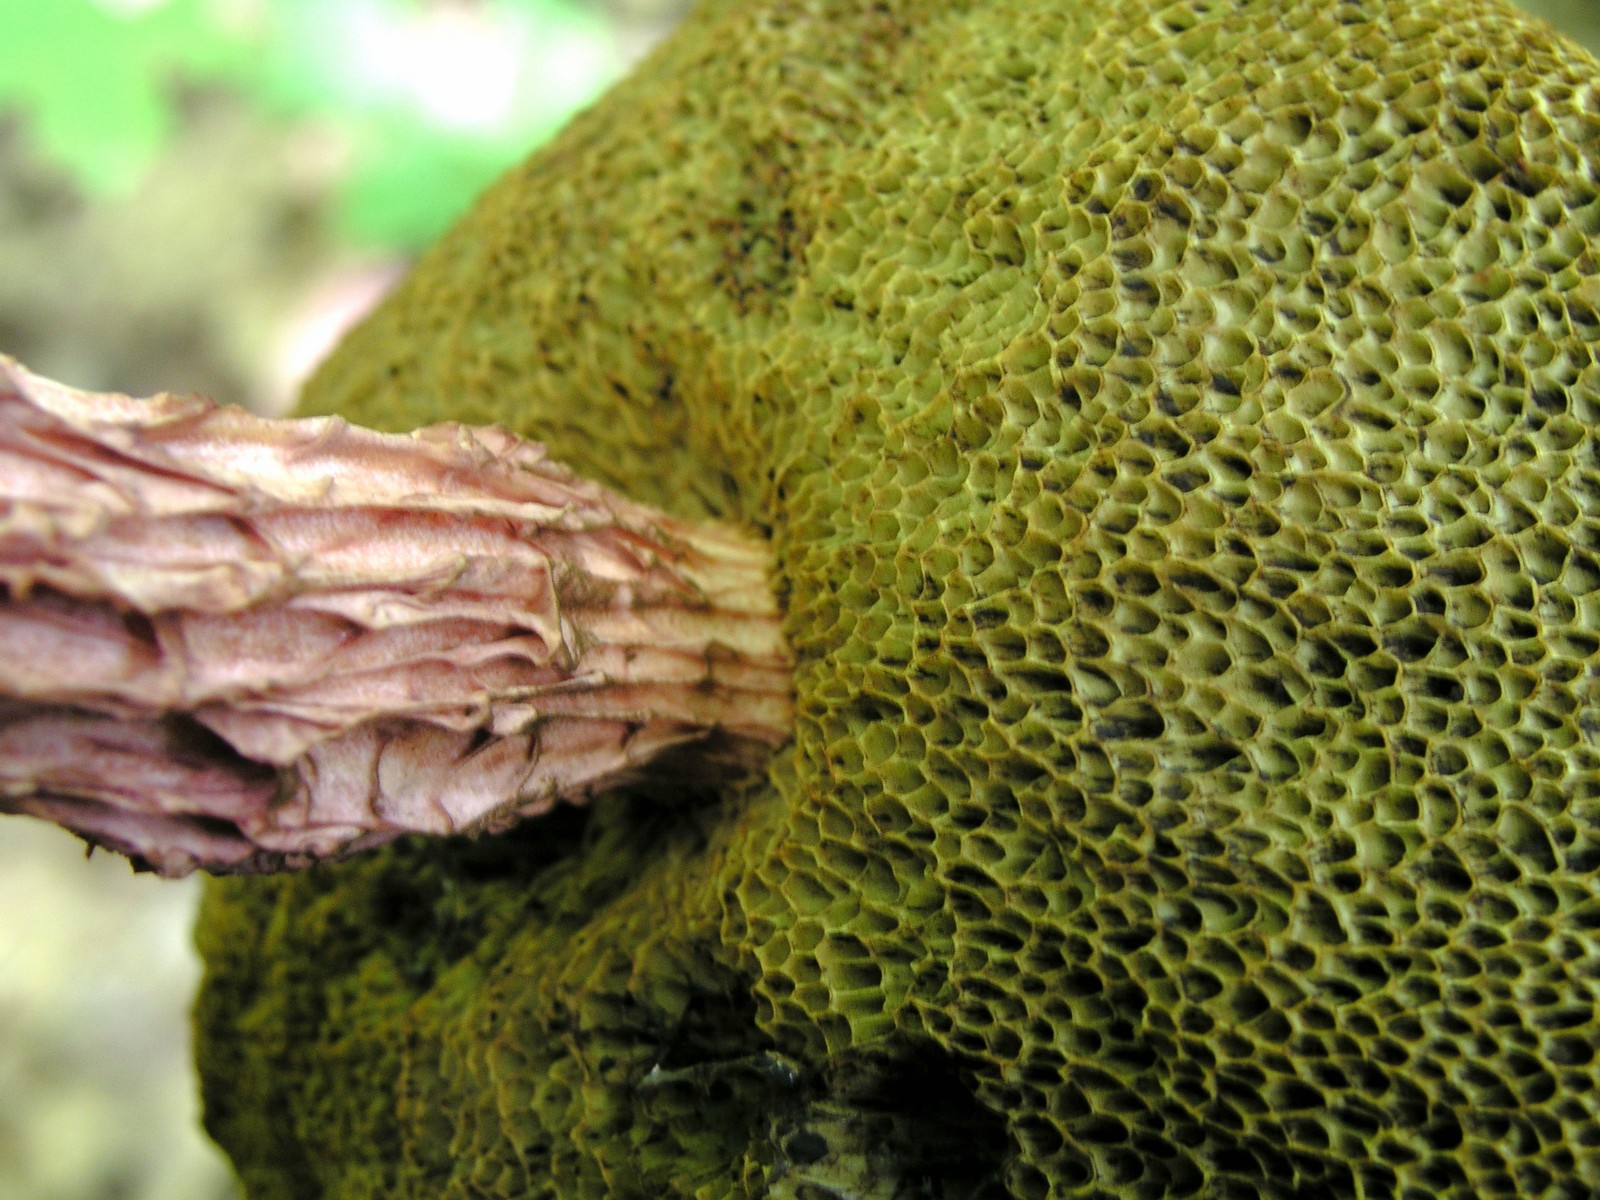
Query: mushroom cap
[1175, 427]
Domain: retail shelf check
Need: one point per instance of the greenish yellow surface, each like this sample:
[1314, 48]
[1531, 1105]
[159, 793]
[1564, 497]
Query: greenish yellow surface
[1175, 427]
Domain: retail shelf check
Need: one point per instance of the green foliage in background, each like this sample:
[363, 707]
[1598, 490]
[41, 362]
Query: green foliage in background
[432, 100]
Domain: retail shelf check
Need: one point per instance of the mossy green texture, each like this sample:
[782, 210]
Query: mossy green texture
[1176, 427]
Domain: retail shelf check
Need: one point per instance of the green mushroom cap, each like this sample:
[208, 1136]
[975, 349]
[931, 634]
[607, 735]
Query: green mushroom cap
[1175, 426]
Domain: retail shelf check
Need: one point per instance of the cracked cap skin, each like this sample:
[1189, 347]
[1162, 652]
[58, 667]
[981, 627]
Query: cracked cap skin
[1174, 426]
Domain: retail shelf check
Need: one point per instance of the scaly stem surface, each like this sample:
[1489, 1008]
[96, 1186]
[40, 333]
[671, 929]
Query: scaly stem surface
[243, 644]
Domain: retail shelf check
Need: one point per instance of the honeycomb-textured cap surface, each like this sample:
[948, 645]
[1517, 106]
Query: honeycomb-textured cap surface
[1175, 424]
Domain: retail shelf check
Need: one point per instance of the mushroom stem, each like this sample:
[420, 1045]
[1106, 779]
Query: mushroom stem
[242, 644]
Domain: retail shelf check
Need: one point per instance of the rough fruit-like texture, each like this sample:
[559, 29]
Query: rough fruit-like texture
[1174, 424]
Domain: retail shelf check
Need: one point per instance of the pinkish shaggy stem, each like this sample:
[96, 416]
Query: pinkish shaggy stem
[241, 644]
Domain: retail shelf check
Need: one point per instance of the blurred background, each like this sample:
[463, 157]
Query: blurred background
[200, 195]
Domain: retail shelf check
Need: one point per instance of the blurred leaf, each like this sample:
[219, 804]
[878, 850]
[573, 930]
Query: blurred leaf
[435, 99]
[96, 84]
[408, 188]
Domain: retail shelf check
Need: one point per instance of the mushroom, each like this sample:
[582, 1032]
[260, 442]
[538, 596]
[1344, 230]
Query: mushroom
[241, 644]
